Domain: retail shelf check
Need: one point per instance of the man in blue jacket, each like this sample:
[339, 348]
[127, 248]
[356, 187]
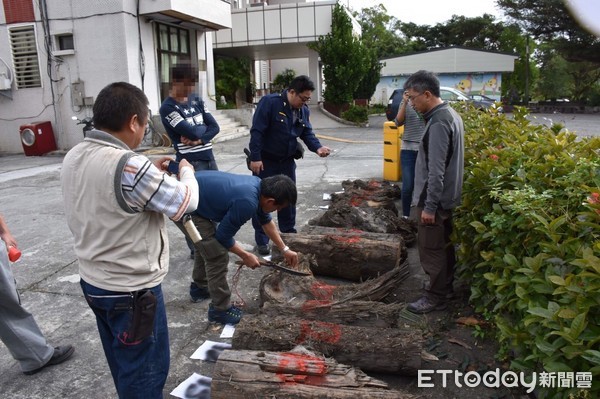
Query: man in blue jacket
[279, 121]
[227, 201]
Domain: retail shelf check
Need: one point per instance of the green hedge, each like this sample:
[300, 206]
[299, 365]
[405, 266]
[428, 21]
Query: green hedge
[528, 234]
[356, 114]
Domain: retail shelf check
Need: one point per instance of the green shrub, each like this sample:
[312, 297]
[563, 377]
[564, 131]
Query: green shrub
[376, 109]
[528, 232]
[356, 114]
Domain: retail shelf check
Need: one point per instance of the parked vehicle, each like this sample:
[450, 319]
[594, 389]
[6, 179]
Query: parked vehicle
[449, 94]
[86, 122]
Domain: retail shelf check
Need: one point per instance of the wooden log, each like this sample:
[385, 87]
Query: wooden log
[353, 313]
[350, 232]
[385, 350]
[351, 258]
[296, 374]
[377, 220]
[298, 291]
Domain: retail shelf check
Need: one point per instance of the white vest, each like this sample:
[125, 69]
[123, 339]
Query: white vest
[118, 249]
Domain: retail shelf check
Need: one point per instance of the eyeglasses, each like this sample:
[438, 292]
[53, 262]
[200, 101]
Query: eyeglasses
[304, 98]
[411, 98]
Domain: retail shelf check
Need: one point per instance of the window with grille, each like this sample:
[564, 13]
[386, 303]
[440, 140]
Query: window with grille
[23, 46]
[173, 46]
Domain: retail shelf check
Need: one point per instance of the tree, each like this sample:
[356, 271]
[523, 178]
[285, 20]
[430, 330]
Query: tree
[380, 31]
[345, 59]
[551, 21]
[282, 80]
[231, 75]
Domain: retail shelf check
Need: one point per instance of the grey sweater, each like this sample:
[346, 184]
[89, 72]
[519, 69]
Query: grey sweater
[440, 163]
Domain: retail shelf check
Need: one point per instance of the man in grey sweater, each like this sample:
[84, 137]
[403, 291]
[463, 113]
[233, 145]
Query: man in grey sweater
[438, 188]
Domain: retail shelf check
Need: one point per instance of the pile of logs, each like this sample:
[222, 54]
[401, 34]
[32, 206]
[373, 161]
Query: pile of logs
[362, 240]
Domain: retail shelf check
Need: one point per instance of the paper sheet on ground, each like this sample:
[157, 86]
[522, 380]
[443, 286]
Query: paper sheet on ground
[195, 386]
[210, 350]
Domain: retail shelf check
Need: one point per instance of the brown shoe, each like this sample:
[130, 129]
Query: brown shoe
[61, 353]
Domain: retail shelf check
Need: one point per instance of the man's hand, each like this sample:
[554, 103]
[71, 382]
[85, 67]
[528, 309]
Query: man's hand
[162, 163]
[186, 141]
[256, 167]
[250, 260]
[291, 258]
[427, 218]
[323, 151]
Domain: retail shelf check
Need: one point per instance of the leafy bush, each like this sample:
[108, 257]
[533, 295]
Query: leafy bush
[529, 241]
[376, 109]
[356, 114]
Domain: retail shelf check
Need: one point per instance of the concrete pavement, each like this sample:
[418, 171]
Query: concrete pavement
[47, 272]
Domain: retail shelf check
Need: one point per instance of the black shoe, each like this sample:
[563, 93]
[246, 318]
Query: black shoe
[263, 249]
[198, 294]
[61, 353]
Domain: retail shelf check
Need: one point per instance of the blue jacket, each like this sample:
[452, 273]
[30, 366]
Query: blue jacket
[191, 120]
[229, 199]
[275, 130]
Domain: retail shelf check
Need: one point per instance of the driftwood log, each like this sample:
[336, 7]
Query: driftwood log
[353, 313]
[350, 232]
[296, 374]
[348, 257]
[385, 350]
[305, 291]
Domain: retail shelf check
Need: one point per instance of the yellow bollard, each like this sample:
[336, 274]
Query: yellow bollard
[392, 142]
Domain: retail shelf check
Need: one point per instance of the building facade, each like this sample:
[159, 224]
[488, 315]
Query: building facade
[56, 55]
[469, 70]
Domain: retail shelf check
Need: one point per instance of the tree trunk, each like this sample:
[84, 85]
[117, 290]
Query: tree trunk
[385, 350]
[352, 233]
[352, 313]
[351, 258]
[296, 374]
[305, 291]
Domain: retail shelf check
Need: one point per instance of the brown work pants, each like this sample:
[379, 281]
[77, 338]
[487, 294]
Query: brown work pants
[210, 263]
[436, 251]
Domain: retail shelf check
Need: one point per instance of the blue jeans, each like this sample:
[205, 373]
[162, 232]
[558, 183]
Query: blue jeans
[139, 369]
[408, 159]
[286, 217]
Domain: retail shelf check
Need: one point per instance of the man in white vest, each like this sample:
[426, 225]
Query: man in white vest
[115, 202]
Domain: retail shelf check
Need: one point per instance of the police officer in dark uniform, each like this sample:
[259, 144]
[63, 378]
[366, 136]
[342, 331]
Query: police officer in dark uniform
[279, 121]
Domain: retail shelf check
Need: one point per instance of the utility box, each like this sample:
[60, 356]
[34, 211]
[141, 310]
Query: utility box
[392, 139]
[37, 138]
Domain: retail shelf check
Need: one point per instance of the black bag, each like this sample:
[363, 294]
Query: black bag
[299, 151]
[144, 310]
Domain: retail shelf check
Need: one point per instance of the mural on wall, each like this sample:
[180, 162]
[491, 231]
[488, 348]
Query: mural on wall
[487, 84]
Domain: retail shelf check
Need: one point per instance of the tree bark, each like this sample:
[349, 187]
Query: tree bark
[350, 232]
[301, 291]
[352, 313]
[296, 374]
[385, 350]
[348, 257]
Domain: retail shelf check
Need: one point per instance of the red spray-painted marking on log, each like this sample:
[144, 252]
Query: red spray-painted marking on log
[319, 331]
[348, 240]
[323, 294]
[311, 369]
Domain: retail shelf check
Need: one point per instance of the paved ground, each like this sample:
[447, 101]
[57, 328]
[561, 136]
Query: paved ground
[47, 273]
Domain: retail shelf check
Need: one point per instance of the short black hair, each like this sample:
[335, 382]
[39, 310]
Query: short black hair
[184, 72]
[116, 104]
[301, 83]
[422, 81]
[281, 188]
